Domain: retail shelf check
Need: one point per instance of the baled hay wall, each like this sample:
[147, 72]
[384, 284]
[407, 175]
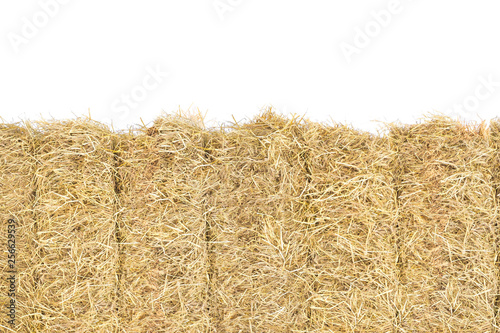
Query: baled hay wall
[163, 265]
[76, 231]
[257, 223]
[276, 225]
[16, 202]
[352, 240]
[447, 214]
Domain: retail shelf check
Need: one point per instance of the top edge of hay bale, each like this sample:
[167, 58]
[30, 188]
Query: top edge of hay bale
[265, 123]
[434, 126]
[179, 121]
[268, 122]
[495, 130]
[76, 126]
[19, 128]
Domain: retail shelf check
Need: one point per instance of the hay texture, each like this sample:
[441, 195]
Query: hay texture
[273, 225]
[494, 165]
[163, 252]
[352, 245]
[76, 230]
[17, 149]
[447, 212]
[257, 220]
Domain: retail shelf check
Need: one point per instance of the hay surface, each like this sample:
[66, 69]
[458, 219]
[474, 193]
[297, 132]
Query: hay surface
[275, 225]
[16, 202]
[76, 231]
[163, 284]
[352, 242]
[447, 210]
[257, 223]
[494, 165]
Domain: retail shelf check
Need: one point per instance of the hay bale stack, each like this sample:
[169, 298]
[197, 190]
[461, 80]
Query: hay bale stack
[352, 245]
[447, 209]
[76, 229]
[257, 221]
[163, 266]
[17, 148]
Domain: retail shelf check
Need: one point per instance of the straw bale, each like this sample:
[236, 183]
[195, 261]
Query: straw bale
[494, 163]
[257, 221]
[76, 229]
[447, 207]
[163, 269]
[352, 243]
[16, 202]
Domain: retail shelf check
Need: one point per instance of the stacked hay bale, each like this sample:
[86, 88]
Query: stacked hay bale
[17, 187]
[352, 244]
[447, 210]
[76, 231]
[163, 265]
[494, 164]
[257, 221]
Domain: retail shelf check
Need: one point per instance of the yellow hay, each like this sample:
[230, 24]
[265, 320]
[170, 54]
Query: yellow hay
[352, 242]
[17, 188]
[273, 225]
[257, 240]
[447, 210]
[163, 265]
[76, 231]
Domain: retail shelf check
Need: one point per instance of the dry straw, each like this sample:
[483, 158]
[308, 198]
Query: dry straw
[16, 202]
[163, 267]
[257, 223]
[76, 233]
[447, 211]
[352, 240]
[494, 166]
[273, 225]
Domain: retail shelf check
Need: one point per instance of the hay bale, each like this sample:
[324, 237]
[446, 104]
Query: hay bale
[352, 244]
[16, 202]
[447, 206]
[76, 229]
[494, 164]
[257, 239]
[163, 268]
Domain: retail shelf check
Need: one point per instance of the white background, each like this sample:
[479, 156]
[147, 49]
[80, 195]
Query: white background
[234, 57]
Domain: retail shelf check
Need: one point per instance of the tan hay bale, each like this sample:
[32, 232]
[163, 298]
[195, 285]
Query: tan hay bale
[76, 231]
[257, 239]
[16, 202]
[447, 206]
[163, 277]
[352, 243]
[494, 164]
